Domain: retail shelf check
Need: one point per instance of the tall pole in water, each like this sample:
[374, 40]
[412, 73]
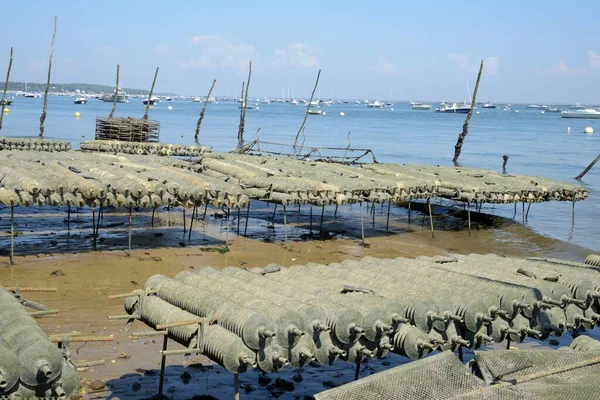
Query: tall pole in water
[43, 116]
[465, 131]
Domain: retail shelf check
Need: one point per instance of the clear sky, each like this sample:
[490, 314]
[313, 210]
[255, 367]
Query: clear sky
[534, 51]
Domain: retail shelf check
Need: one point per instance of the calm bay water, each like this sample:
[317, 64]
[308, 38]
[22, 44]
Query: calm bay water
[537, 144]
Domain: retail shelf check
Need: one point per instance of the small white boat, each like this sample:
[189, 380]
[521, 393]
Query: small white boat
[454, 108]
[168, 98]
[375, 104]
[532, 106]
[587, 113]
[313, 111]
[488, 105]
[196, 99]
[80, 100]
[121, 96]
[577, 106]
[421, 106]
[552, 110]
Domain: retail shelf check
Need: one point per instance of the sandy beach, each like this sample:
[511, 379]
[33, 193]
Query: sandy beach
[85, 278]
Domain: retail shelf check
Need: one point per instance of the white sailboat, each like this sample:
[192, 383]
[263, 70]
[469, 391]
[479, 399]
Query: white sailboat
[27, 94]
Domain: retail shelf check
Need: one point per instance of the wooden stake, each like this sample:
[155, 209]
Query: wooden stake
[150, 95]
[192, 223]
[373, 215]
[321, 225]
[227, 232]
[357, 371]
[247, 217]
[2, 103]
[585, 171]
[112, 111]
[301, 130]
[12, 235]
[178, 324]
[244, 105]
[238, 221]
[43, 116]
[465, 131]
[163, 360]
[129, 229]
[184, 223]
[241, 137]
[35, 289]
[94, 226]
[387, 224]
[285, 225]
[69, 218]
[430, 217]
[504, 162]
[362, 225]
[98, 220]
[204, 110]
[469, 215]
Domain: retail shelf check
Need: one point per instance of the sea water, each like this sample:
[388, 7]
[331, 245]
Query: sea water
[537, 143]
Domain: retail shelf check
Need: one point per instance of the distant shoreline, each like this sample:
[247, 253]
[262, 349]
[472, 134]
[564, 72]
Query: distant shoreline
[82, 88]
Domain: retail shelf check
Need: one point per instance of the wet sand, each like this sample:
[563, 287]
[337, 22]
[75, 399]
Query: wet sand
[89, 277]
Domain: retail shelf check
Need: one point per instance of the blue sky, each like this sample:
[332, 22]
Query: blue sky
[534, 51]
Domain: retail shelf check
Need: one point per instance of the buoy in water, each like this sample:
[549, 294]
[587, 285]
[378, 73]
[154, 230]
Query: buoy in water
[588, 130]
[77, 114]
[6, 110]
[342, 114]
[170, 108]
[391, 109]
[568, 129]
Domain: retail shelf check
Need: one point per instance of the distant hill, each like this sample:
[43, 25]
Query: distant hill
[73, 87]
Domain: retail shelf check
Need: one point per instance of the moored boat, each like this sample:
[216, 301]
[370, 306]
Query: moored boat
[454, 108]
[375, 104]
[587, 113]
[122, 97]
[5, 102]
[421, 106]
[80, 100]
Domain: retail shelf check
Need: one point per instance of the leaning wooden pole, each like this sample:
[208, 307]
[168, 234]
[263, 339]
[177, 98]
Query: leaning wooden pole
[465, 131]
[241, 137]
[585, 171]
[150, 95]
[3, 102]
[43, 116]
[306, 113]
[244, 105]
[112, 111]
[204, 109]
